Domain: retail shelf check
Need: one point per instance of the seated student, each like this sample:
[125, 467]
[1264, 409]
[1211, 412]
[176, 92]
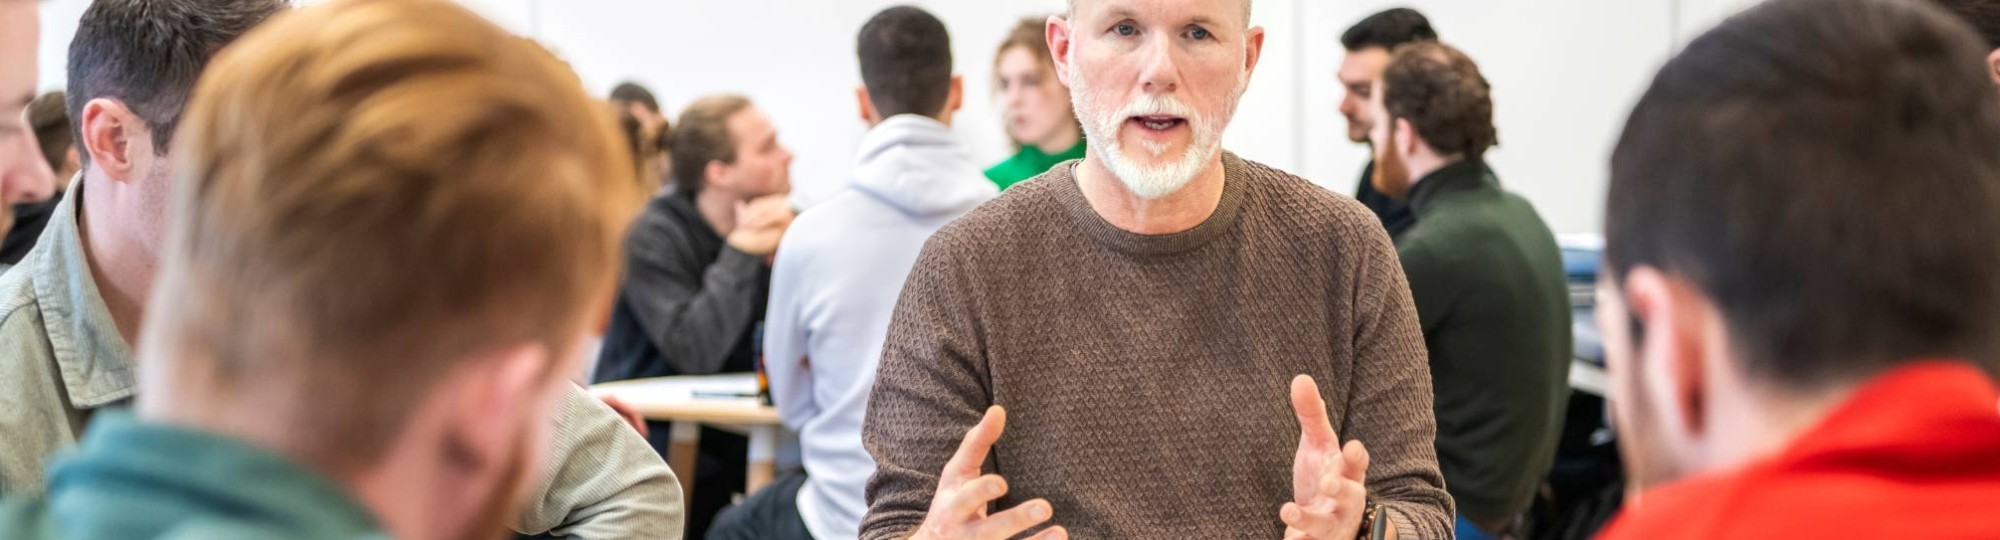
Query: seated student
[74, 306]
[1797, 350]
[1488, 282]
[1034, 105]
[697, 274]
[24, 177]
[49, 119]
[385, 163]
[843, 266]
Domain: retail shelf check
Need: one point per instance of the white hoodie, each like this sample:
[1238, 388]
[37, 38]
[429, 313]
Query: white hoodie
[839, 271]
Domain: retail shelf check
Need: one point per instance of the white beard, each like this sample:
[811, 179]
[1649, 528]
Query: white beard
[1101, 127]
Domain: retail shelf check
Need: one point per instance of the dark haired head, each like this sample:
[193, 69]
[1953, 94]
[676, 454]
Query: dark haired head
[147, 54]
[1842, 220]
[631, 92]
[1389, 29]
[1440, 91]
[905, 57]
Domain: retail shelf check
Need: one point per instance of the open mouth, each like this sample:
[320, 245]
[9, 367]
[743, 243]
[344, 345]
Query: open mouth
[1158, 123]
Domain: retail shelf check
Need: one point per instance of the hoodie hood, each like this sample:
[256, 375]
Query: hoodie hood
[915, 164]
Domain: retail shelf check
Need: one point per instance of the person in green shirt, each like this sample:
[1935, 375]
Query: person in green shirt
[394, 226]
[1038, 115]
[1488, 283]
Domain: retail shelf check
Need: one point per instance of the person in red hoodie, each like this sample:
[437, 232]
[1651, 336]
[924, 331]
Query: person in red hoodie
[1801, 306]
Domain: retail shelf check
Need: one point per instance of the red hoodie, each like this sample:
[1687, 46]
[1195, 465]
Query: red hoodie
[1914, 454]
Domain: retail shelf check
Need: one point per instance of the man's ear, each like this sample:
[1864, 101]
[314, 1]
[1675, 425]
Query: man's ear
[716, 174]
[1405, 136]
[1058, 34]
[506, 384]
[111, 136]
[1253, 50]
[866, 106]
[953, 100]
[1993, 65]
[1672, 356]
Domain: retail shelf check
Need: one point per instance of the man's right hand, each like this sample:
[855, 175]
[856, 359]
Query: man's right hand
[760, 223]
[958, 511]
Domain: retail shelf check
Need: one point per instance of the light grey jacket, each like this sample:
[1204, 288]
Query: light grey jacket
[62, 360]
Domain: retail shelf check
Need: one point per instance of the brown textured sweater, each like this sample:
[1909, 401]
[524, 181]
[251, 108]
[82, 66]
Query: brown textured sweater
[1146, 376]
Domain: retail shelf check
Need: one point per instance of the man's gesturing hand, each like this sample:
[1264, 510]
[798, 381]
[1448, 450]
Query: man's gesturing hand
[1329, 484]
[958, 511]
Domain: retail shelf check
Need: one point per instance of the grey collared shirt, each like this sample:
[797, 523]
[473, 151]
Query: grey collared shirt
[61, 360]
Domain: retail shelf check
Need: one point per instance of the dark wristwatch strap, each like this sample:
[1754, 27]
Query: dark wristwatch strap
[1374, 525]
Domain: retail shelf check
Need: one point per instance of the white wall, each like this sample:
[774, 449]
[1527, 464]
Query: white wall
[1565, 73]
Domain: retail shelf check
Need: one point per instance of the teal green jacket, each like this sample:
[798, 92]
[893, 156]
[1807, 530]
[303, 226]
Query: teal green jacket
[1491, 295]
[132, 480]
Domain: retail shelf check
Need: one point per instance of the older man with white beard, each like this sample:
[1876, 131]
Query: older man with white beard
[1161, 320]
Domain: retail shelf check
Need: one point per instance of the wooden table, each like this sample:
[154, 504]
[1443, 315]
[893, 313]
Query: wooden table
[722, 401]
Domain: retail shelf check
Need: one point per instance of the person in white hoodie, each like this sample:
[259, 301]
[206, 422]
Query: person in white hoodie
[841, 268]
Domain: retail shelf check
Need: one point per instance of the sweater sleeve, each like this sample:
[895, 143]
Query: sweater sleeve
[1389, 404]
[694, 315]
[604, 481]
[930, 390]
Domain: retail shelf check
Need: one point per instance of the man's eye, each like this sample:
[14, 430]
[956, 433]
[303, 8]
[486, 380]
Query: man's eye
[1198, 33]
[1125, 29]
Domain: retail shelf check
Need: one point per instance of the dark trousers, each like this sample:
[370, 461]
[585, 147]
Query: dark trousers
[771, 513]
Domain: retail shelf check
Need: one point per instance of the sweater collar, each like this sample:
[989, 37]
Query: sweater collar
[1220, 221]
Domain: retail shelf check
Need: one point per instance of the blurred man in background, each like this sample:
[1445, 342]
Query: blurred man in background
[1488, 283]
[697, 274]
[837, 280]
[1794, 350]
[1369, 44]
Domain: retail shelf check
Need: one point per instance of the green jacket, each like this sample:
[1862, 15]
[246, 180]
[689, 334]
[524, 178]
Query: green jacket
[62, 361]
[1490, 291]
[133, 480]
[1029, 163]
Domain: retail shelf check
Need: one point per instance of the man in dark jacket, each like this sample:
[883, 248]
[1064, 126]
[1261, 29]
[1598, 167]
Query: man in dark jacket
[698, 273]
[1488, 282]
[1369, 44]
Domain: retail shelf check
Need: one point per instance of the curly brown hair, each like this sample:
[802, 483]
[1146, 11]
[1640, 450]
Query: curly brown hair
[1440, 91]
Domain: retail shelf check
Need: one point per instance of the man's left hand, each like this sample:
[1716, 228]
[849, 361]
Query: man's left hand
[1329, 483]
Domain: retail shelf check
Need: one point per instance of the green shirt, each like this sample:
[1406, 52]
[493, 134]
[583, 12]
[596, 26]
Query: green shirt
[1029, 163]
[136, 480]
[1493, 301]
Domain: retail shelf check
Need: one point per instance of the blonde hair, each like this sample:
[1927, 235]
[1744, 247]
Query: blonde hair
[370, 192]
[1030, 33]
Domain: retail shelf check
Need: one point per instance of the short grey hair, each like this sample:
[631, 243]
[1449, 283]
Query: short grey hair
[1071, 12]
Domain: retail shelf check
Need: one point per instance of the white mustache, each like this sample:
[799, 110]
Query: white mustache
[1151, 105]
